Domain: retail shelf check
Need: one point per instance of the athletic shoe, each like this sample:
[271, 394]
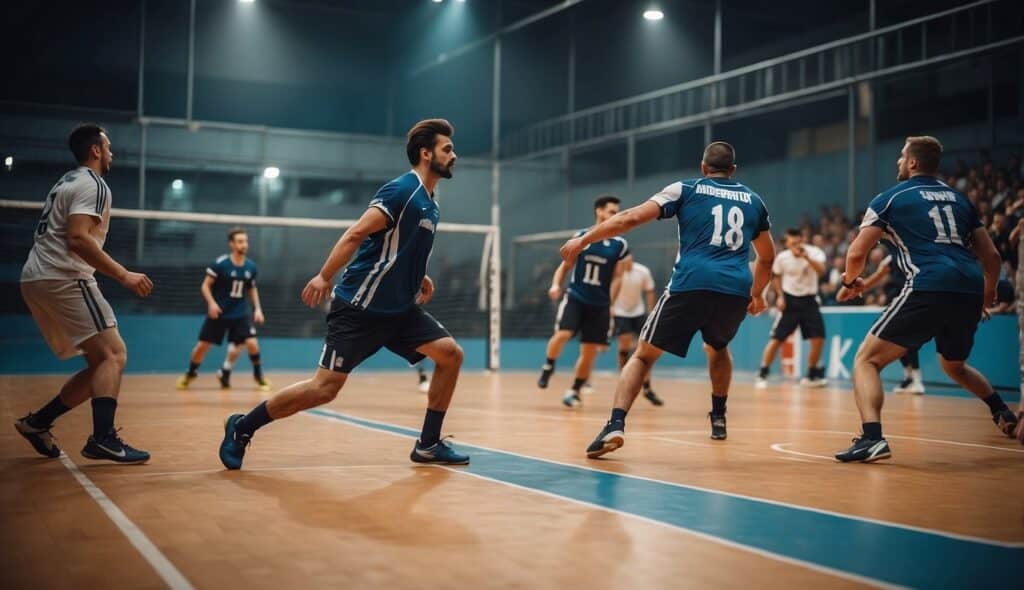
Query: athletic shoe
[225, 378]
[760, 383]
[424, 385]
[262, 383]
[865, 450]
[232, 448]
[112, 448]
[717, 426]
[40, 438]
[916, 387]
[587, 389]
[572, 399]
[815, 378]
[612, 437]
[1006, 422]
[545, 375]
[185, 380]
[904, 386]
[438, 453]
[653, 398]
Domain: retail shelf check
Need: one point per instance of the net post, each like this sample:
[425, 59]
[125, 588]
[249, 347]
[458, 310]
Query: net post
[494, 288]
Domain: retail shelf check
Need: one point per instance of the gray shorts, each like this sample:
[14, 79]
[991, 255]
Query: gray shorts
[68, 312]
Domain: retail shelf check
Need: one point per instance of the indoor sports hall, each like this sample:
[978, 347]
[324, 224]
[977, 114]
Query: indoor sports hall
[278, 122]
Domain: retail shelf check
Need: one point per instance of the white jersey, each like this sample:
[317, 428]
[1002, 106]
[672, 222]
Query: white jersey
[635, 282]
[79, 192]
[798, 278]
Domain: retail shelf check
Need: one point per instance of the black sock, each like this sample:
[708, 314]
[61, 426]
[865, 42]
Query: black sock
[257, 418]
[48, 413]
[647, 385]
[763, 372]
[550, 363]
[192, 368]
[257, 368]
[995, 403]
[103, 409]
[718, 404]
[577, 384]
[872, 430]
[431, 432]
[618, 415]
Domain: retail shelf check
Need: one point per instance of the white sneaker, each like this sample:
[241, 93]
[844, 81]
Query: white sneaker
[760, 383]
[571, 399]
[424, 386]
[916, 387]
[587, 389]
[816, 382]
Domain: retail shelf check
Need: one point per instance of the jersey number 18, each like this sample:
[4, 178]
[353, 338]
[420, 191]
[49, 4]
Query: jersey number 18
[733, 237]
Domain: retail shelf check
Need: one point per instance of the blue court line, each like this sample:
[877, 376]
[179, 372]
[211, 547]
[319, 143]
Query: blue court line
[865, 550]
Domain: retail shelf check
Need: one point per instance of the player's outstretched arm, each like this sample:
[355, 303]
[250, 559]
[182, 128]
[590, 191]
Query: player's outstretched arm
[988, 256]
[883, 272]
[617, 225]
[616, 286]
[319, 287]
[764, 247]
[81, 242]
[856, 258]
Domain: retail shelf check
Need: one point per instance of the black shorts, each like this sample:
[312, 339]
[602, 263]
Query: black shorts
[632, 325]
[592, 322]
[354, 335]
[238, 330]
[915, 317]
[804, 312]
[678, 316]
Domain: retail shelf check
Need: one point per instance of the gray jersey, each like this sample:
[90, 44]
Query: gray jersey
[79, 192]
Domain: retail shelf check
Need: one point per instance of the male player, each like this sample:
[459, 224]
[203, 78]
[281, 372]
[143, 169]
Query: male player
[377, 303]
[58, 286]
[796, 272]
[586, 304]
[629, 310]
[712, 288]
[894, 282]
[228, 280]
[939, 242]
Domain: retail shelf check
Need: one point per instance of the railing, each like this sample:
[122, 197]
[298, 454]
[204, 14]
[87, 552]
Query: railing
[944, 36]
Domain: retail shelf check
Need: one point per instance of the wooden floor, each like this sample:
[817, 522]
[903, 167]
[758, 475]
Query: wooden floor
[331, 500]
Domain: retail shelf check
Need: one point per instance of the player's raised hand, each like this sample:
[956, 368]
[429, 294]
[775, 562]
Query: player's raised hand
[554, 293]
[570, 250]
[137, 283]
[213, 311]
[257, 317]
[757, 305]
[426, 291]
[317, 289]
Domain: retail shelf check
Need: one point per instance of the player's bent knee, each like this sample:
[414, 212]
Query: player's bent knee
[451, 355]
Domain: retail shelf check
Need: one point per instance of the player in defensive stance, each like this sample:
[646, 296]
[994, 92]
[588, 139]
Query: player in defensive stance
[712, 288]
[586, 304]
[635, 300]
[377, 303]
[939, 241]
[228, 280]
[58, 286]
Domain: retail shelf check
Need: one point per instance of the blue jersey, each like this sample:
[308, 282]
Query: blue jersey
[386, 273]
[591, 280]
[718, 218]
[231, 284]
[930, 226]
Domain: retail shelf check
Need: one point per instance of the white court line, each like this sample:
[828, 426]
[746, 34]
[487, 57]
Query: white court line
[768, 554]
[157, 560]
[781, 448]
[972, 539]
[844, 433]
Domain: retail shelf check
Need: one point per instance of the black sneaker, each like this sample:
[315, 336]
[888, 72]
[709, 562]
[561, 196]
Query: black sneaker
[612, 437]
[717, 426]
[1005, 421]
[225, 378]
[865, 450]
[112, 448]
[232, 447]
[653, 398]
[545, 375]
[40, 438]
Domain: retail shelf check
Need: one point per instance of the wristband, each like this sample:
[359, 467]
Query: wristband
[848, 285]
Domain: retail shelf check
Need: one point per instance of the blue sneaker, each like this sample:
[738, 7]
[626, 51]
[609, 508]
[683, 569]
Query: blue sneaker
[112, 448]
[612, 437]
[232, 448]
[865, 450]
[438, 453]
[40, 438]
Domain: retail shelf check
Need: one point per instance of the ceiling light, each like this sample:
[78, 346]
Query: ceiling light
[654, 14]
[177, 184]
[271, 172]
